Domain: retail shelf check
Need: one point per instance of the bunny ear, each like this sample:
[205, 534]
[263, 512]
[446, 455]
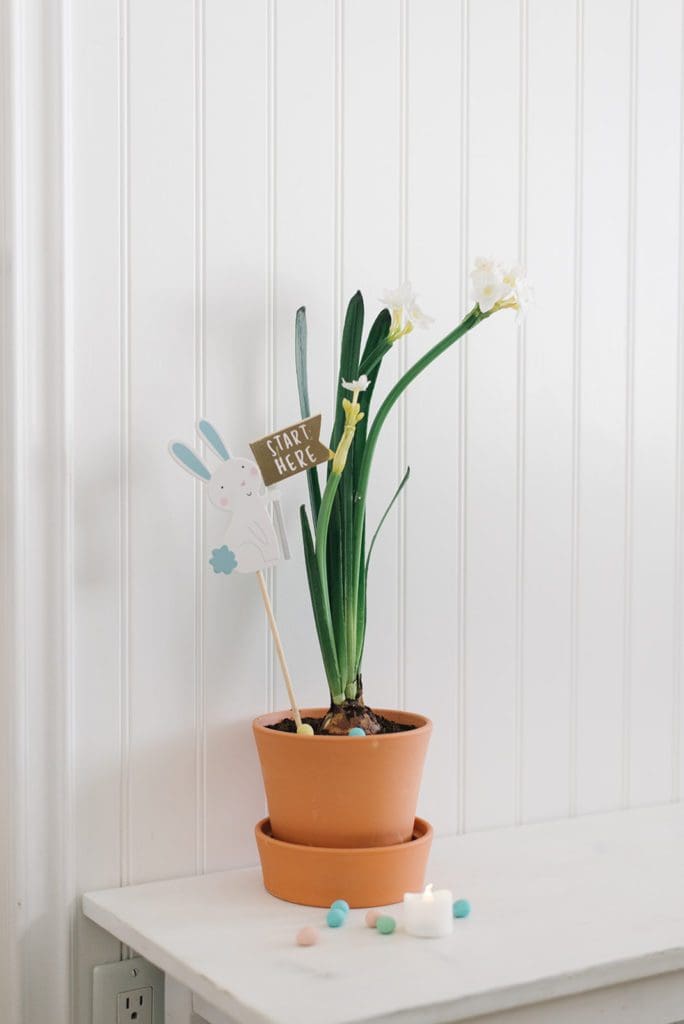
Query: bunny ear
[189, 460]
[211, 436]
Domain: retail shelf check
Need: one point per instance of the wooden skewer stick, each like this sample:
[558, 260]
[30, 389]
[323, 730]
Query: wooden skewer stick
[279, 647]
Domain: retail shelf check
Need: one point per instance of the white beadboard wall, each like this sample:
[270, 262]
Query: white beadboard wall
[178, 178]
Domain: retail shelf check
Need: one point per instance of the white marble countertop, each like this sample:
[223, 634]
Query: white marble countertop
[558, 909]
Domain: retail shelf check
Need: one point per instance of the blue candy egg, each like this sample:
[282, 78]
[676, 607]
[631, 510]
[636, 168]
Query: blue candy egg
[461, 908]
[340, 905]
[356, 731]
[335, 918]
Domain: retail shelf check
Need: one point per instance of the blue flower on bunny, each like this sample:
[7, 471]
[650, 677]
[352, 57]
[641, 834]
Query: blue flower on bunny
[223, 560]
[234, 486]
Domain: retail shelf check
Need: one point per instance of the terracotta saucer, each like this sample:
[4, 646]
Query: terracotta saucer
[364, 877]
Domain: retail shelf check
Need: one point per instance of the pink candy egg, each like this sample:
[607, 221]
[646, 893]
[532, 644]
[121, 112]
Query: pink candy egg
[372, 917]
[307, 936]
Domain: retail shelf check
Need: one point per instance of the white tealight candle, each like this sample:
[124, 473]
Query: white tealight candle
[429, 914]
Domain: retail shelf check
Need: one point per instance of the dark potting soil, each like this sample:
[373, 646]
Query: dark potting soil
[288, 725]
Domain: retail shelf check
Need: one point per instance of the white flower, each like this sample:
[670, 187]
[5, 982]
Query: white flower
[362, 384]
[418, 318]
[498, 287]
[399, 298]
[489, 286]
[406, 313]
[521, 289]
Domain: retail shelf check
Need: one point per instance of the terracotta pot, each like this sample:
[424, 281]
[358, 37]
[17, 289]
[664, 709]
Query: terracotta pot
[316, 875]
[341, 791]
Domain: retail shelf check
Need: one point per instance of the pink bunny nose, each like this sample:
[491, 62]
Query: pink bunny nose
[223, 502]
[242, 484]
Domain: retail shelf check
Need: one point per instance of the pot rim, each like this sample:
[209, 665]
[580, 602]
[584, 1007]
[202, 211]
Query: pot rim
[422, 824]
[260, 723]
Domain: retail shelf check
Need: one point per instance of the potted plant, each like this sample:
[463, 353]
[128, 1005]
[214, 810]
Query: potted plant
[342, 794]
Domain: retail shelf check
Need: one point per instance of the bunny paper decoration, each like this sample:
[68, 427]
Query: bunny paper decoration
[236, 486]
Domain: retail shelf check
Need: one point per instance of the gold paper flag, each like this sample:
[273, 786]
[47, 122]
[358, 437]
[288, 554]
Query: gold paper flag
[290, 450]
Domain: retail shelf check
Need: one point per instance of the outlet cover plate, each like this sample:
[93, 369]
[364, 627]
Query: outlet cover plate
[110, 980]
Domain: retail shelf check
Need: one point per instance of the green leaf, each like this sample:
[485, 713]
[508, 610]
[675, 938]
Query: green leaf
[340, 576]
[375, 349]
[349, 361]
[321, 618]
[322, 552]
[300, 362]
[348, 568]
[361, 492]
[386, 513]
[361, 615]
[336, 585]
[361, 609]
[304, 406]
[376, 345]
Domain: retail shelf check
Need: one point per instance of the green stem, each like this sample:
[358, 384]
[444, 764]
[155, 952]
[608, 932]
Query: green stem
[383, 412]
[322, 525]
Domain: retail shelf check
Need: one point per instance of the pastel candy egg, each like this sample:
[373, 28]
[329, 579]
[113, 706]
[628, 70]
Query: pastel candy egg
[340, 905]
[304, 730]
[385, 924]
[372, 918]
[307, 936]
[356, 731]
[335, 918]
[461, 908]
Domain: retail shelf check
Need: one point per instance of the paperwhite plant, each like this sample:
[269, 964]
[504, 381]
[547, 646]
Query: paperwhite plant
[498, 287]
[336, 550]
[406, 313]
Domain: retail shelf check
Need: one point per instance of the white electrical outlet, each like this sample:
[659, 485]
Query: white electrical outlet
[134, 1007]
[128, 992]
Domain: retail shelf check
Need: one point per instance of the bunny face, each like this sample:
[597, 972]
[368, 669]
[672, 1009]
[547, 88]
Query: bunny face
[235, 484]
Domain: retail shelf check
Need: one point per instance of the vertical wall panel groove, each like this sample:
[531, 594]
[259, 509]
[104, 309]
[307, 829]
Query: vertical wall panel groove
[98, 296]
[338, 195]
[402, 459]
[20, 808]
[124, 442]
[200, 401]
[372, 230]
[605, 199]
[492, 415]
[678, 602]
[629, 404]
[38, 265]
[544, 456]
[236, 326]
[520, 426]
[576, 409]
[11, 792]
[429, 254]
[462, 477]
[161, 404]
[652, 250]
[271, 363]
[69, 838]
